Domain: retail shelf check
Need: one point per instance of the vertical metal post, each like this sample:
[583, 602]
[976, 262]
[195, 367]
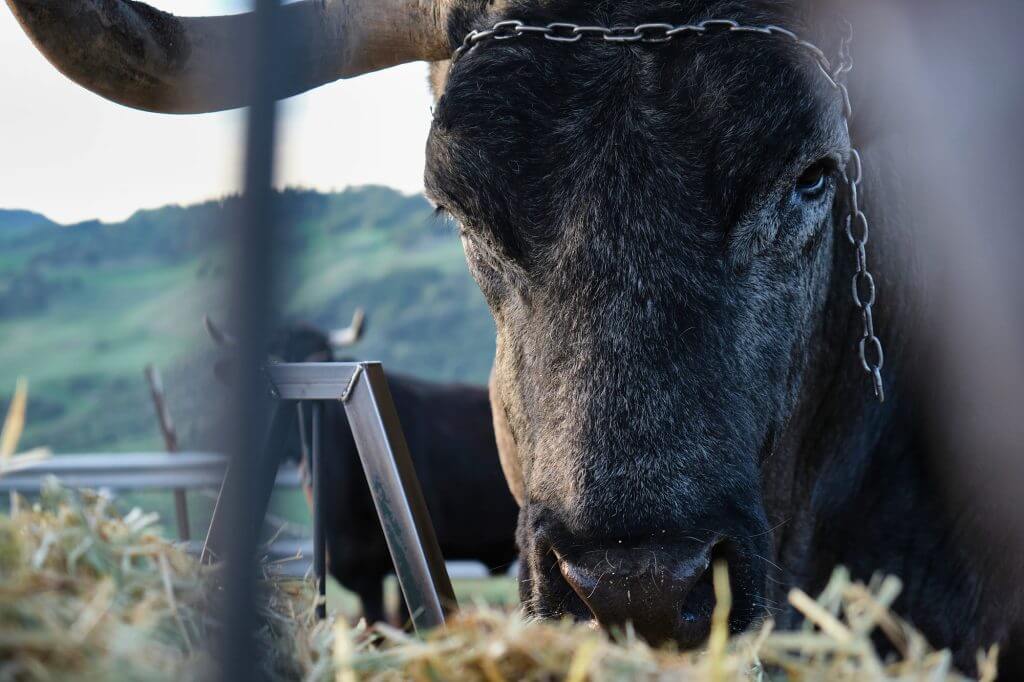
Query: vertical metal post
[252, 296]
[319, 538]
[303, 444]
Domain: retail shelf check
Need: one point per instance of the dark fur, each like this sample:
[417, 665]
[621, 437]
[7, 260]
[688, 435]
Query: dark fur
[675, 331]
[451, 441]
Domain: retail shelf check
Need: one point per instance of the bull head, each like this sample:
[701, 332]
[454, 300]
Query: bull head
[652, 228]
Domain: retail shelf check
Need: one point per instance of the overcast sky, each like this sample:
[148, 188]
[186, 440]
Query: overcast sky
[72, 155]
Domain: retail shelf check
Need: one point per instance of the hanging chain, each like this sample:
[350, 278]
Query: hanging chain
[869, 348]
[872, 357]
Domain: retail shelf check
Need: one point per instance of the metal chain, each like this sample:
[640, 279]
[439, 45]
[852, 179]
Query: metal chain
[563, 32]
[872, 357]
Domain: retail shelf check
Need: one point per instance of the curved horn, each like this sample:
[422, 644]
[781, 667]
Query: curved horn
[141, 57]
[219, 336]
[350, 335]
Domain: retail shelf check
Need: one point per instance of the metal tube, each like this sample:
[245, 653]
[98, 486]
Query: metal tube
[396, 493]
[319, 537]
[251, 305]
[303, 443]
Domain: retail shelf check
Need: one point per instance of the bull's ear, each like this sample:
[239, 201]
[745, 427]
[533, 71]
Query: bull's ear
[350, 335]
[144, 58]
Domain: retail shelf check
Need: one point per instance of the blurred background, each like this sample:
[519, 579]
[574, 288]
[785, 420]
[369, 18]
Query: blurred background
[112, 227]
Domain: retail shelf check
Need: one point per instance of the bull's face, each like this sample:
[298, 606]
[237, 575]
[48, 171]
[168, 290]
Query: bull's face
[652, 228]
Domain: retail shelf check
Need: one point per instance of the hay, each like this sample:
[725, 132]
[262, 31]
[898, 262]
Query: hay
[89, 594]
[487, 645]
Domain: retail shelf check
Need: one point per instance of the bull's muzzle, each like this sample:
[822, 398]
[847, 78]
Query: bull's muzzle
[664, 591]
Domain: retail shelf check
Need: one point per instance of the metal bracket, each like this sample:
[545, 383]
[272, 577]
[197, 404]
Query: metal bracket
[389, 471]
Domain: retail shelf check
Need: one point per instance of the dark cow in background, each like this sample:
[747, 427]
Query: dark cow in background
[451, 440]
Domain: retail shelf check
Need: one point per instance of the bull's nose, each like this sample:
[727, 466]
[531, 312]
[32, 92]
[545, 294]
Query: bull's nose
[665, 592]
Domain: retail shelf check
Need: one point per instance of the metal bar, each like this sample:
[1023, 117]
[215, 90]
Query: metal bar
[254, 270]
[170, 435]
[319, 535]
[396, 493]
[132, 471]
[306, 463]
[303, 443]
[312, 380]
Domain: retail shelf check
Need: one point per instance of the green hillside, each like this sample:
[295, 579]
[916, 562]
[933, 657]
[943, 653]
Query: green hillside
[84, 307]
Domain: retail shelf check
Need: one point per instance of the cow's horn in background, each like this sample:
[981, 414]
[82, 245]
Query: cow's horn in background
[219, 336]
[350, 335]
[144, 58]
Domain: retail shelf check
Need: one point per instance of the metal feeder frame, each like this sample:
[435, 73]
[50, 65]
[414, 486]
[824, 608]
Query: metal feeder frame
[363, 390]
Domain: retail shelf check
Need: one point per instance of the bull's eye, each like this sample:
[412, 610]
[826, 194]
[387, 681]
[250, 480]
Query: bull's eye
[813, 182]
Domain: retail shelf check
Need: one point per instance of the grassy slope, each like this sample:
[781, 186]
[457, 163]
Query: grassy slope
[84, 308]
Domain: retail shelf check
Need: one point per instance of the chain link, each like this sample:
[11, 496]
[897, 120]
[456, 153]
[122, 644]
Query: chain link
[869, 347]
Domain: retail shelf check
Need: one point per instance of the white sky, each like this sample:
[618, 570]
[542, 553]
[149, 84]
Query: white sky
[72, 155]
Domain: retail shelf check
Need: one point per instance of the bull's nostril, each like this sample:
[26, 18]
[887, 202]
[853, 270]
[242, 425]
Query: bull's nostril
[695, 615]
[701, 599]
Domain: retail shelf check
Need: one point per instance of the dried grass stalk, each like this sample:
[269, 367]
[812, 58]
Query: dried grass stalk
[14, 423]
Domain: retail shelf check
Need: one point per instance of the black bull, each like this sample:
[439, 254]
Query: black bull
[657, 230]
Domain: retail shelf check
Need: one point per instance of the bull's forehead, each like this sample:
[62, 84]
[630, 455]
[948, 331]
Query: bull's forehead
[541, 142]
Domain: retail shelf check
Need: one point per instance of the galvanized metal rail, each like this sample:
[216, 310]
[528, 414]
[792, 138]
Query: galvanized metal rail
[131, 471]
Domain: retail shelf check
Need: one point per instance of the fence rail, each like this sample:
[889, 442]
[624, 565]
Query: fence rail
[131, 471]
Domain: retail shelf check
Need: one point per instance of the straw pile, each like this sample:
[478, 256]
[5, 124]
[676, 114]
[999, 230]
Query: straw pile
[490, 646]
[89, 594]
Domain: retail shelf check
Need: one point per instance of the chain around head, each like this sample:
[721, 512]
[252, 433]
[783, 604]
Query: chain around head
[872, 357]
[564, 32]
